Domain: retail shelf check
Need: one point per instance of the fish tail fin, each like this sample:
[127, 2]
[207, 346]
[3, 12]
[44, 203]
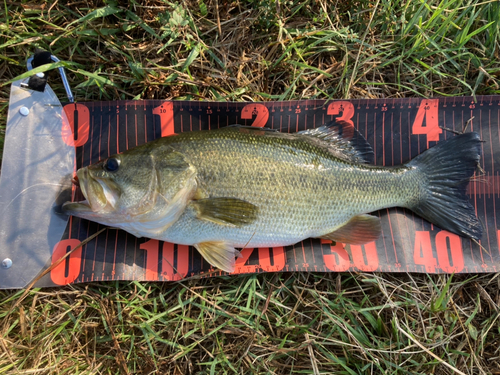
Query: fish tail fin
[446, 169]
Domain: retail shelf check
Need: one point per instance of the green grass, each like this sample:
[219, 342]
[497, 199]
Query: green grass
[282, 323]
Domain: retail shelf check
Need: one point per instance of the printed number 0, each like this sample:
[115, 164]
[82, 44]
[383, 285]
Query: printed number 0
[68, 270]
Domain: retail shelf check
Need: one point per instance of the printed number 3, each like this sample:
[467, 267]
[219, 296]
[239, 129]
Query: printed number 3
[347, 109]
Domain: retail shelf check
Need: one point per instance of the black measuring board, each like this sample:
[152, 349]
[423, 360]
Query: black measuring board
[397, 129]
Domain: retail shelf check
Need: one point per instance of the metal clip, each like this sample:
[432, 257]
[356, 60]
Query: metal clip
[61, 72]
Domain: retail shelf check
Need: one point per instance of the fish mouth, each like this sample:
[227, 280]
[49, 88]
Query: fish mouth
[100, 195]
[82, 207]
[77, 208]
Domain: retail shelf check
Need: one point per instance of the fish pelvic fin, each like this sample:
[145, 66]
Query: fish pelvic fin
[446, 170]
[226, 211]
[359, 230]
[219, 254]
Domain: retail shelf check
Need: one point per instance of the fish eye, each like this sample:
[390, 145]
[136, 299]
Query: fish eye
[112, 165]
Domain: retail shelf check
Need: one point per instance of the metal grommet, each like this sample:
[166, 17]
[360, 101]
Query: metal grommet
[6, 263]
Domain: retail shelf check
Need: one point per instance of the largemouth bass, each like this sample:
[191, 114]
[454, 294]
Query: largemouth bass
[241, 187]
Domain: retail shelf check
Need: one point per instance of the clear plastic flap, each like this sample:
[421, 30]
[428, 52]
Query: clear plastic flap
[36, 164]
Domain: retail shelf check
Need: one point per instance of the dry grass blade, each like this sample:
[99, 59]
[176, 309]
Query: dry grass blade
[429, 352]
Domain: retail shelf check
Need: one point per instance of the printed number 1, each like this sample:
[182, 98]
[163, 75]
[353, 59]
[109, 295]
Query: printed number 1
[75, 125]
[166, 113]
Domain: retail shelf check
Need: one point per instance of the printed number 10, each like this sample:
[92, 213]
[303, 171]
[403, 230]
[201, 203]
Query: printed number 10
[169, 271]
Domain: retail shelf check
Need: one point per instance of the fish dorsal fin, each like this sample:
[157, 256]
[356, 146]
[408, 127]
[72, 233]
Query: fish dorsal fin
[219, 254]
[226, 211]
[342, 140]
[359, 230]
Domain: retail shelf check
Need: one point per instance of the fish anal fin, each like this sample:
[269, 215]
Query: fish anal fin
[359, 230]
[219, 254]
[226, 211]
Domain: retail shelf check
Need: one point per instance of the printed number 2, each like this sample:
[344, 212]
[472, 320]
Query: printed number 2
[428, 110]
[259, 110]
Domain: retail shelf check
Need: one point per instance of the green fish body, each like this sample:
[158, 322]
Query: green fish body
[245, 187]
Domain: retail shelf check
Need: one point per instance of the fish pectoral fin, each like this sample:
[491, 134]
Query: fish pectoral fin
[226, 211]
[219, 254]
[359, 230]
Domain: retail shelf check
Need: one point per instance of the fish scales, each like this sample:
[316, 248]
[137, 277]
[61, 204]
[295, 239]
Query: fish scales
[300, 189]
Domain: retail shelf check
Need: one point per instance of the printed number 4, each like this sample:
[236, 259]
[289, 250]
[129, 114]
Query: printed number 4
[428, 110]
